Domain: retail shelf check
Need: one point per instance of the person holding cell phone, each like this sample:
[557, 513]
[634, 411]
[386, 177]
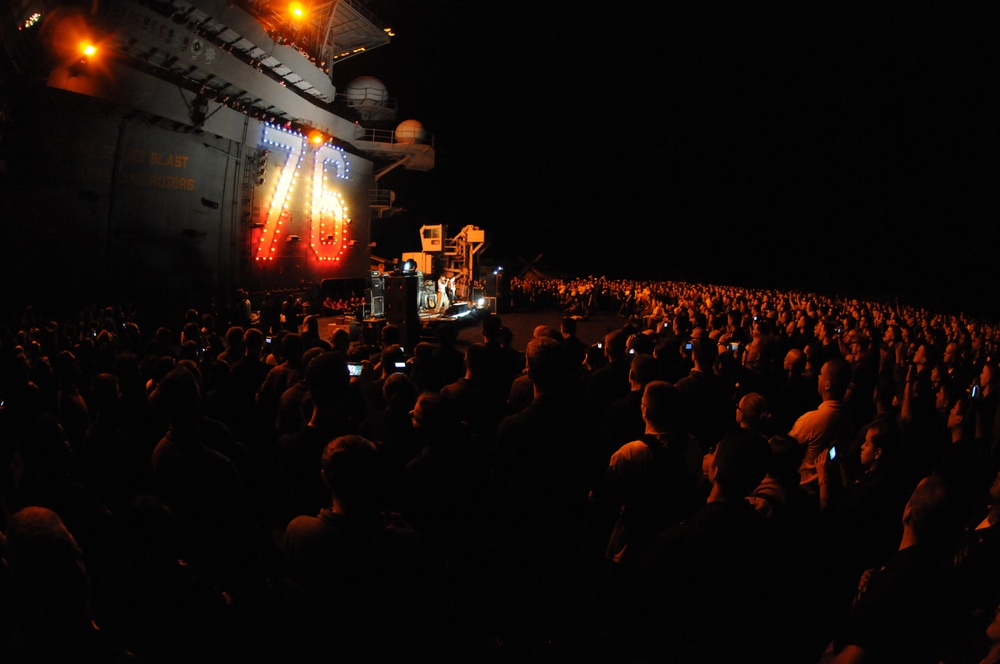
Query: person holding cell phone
[830, 423]
[862, 513]
[298, 452]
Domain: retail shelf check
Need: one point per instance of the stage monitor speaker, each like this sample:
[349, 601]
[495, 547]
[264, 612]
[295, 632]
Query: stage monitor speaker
[401, 308]
[375, 281]
[498, 286]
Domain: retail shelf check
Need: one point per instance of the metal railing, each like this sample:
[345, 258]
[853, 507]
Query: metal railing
[368, 97]
[389, 136]
[380, 197]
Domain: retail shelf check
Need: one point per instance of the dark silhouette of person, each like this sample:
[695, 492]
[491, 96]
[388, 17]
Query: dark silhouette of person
[48, 597]
[610, 382]
[280, 378]
[710, 400]
[540, 492]
[370, 585]
[651, 482]
[449, 361]
[443, 493]
[623, 421]
[907, 609]
[299, 453]
[575, 348]
[114, 466]
[478, 401]
[709, 575]
[204, 489]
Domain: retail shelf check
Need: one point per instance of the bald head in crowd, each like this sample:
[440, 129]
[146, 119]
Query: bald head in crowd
[795, 362]
[834, 378]
[615, 345]
[662, 407]
[643, 370]
[547, 366]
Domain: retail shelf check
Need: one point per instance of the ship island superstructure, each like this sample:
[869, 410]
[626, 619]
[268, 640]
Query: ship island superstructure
[190, 148]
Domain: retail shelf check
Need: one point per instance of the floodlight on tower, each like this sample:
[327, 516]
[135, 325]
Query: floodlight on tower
[297, 11]
[86, 50]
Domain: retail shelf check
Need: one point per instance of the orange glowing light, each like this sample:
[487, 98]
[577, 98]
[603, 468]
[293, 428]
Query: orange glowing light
[297, 10]
[88, 49]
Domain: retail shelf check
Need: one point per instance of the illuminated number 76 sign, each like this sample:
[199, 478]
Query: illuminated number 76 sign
[326, 210]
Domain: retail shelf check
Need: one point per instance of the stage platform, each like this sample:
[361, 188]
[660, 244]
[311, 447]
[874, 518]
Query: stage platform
[461, 313]
[590, 330]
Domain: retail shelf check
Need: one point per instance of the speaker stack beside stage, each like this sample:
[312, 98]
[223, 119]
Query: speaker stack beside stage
[400, 293]
[498, 292]
[375, 295]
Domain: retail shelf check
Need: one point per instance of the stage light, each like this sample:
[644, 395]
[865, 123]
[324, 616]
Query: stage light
[87, 49]
[409, 265]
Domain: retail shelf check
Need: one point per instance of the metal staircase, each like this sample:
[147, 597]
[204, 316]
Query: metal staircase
[460, 251]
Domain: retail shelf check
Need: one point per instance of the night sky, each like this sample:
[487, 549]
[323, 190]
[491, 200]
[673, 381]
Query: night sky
[847, 150]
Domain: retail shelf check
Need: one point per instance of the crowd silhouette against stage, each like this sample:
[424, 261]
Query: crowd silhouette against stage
[730, 475]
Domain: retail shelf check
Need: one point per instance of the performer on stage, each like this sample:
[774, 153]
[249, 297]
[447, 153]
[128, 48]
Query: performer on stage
[443, 286]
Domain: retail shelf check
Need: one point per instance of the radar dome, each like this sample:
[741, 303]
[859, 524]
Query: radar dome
[366, 90]
[410, 131]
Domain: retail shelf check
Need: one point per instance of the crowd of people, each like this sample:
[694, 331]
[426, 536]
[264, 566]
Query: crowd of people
[730, 475]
